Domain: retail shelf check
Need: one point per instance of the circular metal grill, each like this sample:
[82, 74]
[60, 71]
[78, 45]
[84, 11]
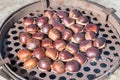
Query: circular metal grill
[88, 71]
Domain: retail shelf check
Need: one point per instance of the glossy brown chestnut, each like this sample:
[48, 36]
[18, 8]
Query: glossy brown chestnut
[91, 27]
[82, 20]
[41, 21]
[58, 67]
[76, 28]
[80, 57]
[59, 27]
[54, 34]
[32, 43]
[46, 28]
[30, 63]
[39, 53]
[68, 21]
[72, 48]
[99, 42]
[92, 52]
[59, 45]
[66, 34]
[52, 53]
[62, 14]
[23, 37]
[32, 28]
[48, 14]
[74, 14]
[55, 19]
[24, 54]
[72, 66]
[44, 64]
[78, 37]
[90, 35]
[84, 45]
[39, 36]
[47, 43]
[65, 56]
[28, 21]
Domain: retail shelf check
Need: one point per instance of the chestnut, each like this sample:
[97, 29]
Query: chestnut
[84, 45]
[47, 43]
[48, 14]
[32, 28]
[32, 43]
[55, 19]
[39, 53]
[23, 37]
[92, 52]
[82, 20]
[74, 14]
[90, 35]
[41, 21]
[99, 42]
[78, 37]
[80, 57]
[91, 27]
[68, 21]
[52, 53]
[59, 45]
[44, 64]
[62, 14]
[76, 28]
[58, 67]
[67, 34]
[65, 56]
[28, 21]
[54, 34]
[59, 27]
[30, 63]
[72, 66]
[39, 36]
[72, 48]
[46, 28]
[24, 54]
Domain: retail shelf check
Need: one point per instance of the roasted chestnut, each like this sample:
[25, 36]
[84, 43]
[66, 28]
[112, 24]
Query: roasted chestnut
[23, 37]
[72, 48]
[48, 14]
[28, 21]
[74, 14]
[59, 27]
[30, 63]
[76, 28]
[44, 64]
[39, 36]
[58, 67]
[80, 57]
[62, 14]
[24, 54]
[32, 28]
[84, 45]
[72, 66]
[82, 20]
[41, 21]
[65, 56]
[47, 43]
[91, 27]
[55, 19]
[39, 53]
[54, 34]
[32, 43]
[66, 34]
[90, 35]
[99, 42]
[68, 21]
[46, 28]
[52, 53]
[59, 45]
[78, 37]
[92, 52]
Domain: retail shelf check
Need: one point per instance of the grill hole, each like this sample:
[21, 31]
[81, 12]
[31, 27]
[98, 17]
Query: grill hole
[15, 38]
[83, 12]
[14, 69]
[99, 58]
[24, 45]
[27, 78]
[20, 27]
[32, 73]
[17, 50]
[69, 73]
[117, 43]
[7, 36]
[13, 62]
[108, 41]
[13, 26]
[31, 14]
[109, 59]
[42, 75]
[114, 37]
[96, 70]
[20, 64]
[106, 53]
[90, 77]
[103, 65]
[105, 35]
[112, 48]
[16, 44]
[62, 78]
[23, 71]
[110, 31]
[111, 65]
[72, 79]
[99, 24]
[52, 76]
[79, 74]
[102, 29]
[59, 8]
[19, 22]
[25, 17]
[9, 49]
[14, 32]
[106, 25]
[91, 13]
[86, 69]
[93, 63]
[67, 9]
[116, 55]
[51, 8]
[7, 42]
[95, 19]
[39, 15]
[10, 55]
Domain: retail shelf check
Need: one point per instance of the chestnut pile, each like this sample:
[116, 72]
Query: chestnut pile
[59, 41]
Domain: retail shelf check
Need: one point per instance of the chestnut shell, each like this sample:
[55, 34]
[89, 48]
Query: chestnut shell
[74, 14]
[38, 35]
[28, 21]
[66, 34]
[47, 43]
[91, 27]
[46, 28]
[82, 20]
[59, 45]
[41, 21]
[32, 28]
